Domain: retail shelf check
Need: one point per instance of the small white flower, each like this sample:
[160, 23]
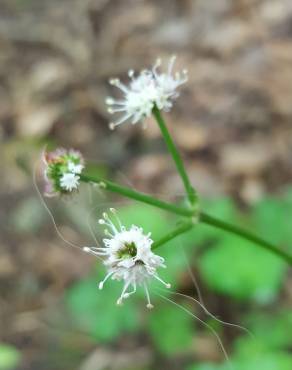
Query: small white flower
[148, 89]
[60, 169]
[75, 168]
[128, 256]
[69, 181]
[167, 84]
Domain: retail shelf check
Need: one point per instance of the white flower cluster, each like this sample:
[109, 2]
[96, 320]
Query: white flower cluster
[144, 91]
[70, 180]
[61, 171]
[128, 257]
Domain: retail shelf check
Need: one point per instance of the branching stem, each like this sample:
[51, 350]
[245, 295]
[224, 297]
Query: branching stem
[186, 212]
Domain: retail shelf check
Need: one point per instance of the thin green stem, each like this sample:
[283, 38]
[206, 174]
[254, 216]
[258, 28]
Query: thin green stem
[176, 156]
[141, 197]
[203, 217]
[182, 228]
[209, 220]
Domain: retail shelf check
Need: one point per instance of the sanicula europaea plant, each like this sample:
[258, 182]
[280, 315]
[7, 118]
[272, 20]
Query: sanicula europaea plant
[128, 254]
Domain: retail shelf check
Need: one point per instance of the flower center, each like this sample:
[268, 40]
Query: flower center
[128, 250]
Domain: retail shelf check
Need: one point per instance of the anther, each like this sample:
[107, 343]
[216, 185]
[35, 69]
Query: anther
[109, 101]
[131, 73]
[102, 184]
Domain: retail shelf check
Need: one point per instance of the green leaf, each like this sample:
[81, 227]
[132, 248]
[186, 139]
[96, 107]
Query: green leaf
[279, 324]
[265, 361]
[205, 367]
[149, 218]
[202, 234]
[239, 269]
[96, 312]
[9, 357]
[272, 219]
[171, 329]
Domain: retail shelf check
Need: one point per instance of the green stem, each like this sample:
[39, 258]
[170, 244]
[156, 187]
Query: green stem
[175, 155]
[209, 220]
[182, 228]
[141, 197]
[203, 217]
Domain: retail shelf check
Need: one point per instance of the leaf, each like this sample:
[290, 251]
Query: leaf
[242, 270]
[205, 367]
[279, 324]
[9, 357]
[272, 219]
[171, 329]
[96, 311]
[149, 218]
[265, 361]
[221, 208]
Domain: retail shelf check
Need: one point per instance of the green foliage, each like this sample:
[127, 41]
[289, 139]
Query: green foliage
[9, 357]
[271, 333]
[149, 218]
[227, 264]
[205, 367]
[236, 267]
[171, 329]
[96, 312]
[272, 219]
[263, 361]
[258, 354]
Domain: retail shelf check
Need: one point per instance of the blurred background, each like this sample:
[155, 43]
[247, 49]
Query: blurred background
[232, 123]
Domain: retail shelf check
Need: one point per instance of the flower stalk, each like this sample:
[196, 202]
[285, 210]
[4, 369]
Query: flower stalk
[233, 229]
[140, 197]
[191, 214]
[176, 156]
[180, 229]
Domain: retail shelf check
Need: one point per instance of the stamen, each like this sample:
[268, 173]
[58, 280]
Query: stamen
[116, 110]
[114, 212]
[121, 86]
[149, 305]
[96, 251]
[167, 285]
[107, 233]
[109, 101]
[120, 300]
[101, 284]
[171, 64]
[127, 295]
[131, 73]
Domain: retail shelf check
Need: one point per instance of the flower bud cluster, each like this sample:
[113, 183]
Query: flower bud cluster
[62, 171]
